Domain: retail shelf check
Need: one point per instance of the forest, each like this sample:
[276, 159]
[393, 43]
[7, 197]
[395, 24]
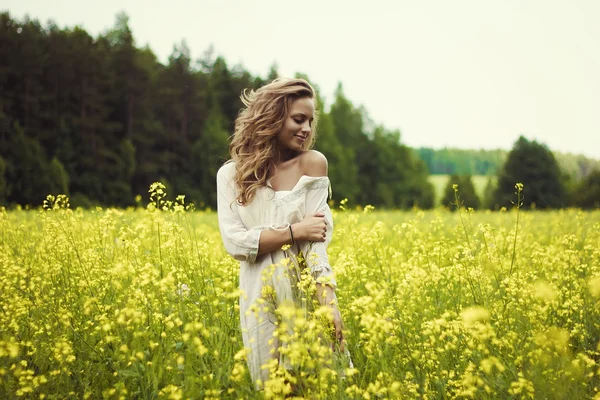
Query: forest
[100, 119]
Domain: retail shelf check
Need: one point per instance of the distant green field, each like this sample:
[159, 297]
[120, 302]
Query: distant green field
[439, 183]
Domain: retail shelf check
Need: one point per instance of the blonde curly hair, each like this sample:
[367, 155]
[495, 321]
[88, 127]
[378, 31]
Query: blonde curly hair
[253, 146]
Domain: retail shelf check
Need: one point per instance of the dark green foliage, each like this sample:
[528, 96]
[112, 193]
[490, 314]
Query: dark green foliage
[3, 186]
[401, 178]
[347, 128]
[27, 169]
[587, 193]
[59, 179]
[80, 200]
[209, 152]
[533, 165]
[466, 192]
[488, 195]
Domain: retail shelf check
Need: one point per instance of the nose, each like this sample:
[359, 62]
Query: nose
[306, 127]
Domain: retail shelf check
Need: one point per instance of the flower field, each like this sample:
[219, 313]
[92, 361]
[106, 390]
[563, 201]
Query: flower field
[142, 303]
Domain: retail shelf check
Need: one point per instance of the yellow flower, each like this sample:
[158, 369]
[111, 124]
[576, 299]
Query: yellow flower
[594, 286]
[472, 315]
[544, 291]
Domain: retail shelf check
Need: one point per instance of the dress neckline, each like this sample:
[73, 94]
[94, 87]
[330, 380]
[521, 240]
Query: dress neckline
[304, 184]
[289, 190]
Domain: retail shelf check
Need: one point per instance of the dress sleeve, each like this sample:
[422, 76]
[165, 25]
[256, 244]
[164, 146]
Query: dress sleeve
[316, 252]
[240, 243]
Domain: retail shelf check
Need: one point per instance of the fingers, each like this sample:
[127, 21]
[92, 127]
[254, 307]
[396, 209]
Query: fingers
[339, 335]
[317, 225]
[322, 226]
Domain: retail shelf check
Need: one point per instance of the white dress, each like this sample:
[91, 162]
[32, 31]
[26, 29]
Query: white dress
[240, 228]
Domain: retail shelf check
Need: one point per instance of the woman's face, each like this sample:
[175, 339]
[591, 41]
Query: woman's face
[296, 130]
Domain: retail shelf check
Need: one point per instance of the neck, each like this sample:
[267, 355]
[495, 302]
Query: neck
[283, 155]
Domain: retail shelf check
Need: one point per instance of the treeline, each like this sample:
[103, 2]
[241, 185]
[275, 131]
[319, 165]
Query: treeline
[462, 161]
[545, 184]
[454, 161]
[100, 119]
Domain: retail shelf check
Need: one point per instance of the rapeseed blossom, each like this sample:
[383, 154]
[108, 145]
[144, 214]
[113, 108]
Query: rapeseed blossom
[433, 307]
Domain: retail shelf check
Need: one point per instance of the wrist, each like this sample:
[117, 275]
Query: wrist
[296, 232]
[326, 295]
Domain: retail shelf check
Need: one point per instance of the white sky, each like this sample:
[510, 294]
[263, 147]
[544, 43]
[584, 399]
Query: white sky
[462, 73]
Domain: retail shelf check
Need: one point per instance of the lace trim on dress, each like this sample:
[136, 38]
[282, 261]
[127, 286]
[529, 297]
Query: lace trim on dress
[315, 184]
[323, 273]
[254, 248]
[320, 268]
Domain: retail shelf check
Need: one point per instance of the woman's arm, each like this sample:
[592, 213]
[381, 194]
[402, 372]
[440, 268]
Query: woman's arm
[315, 164]
[311, 229]
[241, 243]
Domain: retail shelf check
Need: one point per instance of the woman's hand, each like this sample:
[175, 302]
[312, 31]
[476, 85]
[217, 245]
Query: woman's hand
[313, 228]
[326, 295]
[338, 327]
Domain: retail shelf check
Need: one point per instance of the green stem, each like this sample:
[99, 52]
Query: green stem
[514, 254]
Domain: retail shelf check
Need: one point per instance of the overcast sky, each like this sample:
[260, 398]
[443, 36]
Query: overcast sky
[462, 73]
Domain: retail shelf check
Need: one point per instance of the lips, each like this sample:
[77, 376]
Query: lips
[300, 137]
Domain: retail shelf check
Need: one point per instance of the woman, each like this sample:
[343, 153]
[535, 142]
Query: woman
[273, 192]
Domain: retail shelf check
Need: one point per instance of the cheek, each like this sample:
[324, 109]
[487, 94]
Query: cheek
[284, 132]
[289, 127]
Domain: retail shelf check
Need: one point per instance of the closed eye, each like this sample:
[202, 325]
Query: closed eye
[301, 119]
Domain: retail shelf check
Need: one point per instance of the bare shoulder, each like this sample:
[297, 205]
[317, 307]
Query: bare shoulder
[313, 163]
